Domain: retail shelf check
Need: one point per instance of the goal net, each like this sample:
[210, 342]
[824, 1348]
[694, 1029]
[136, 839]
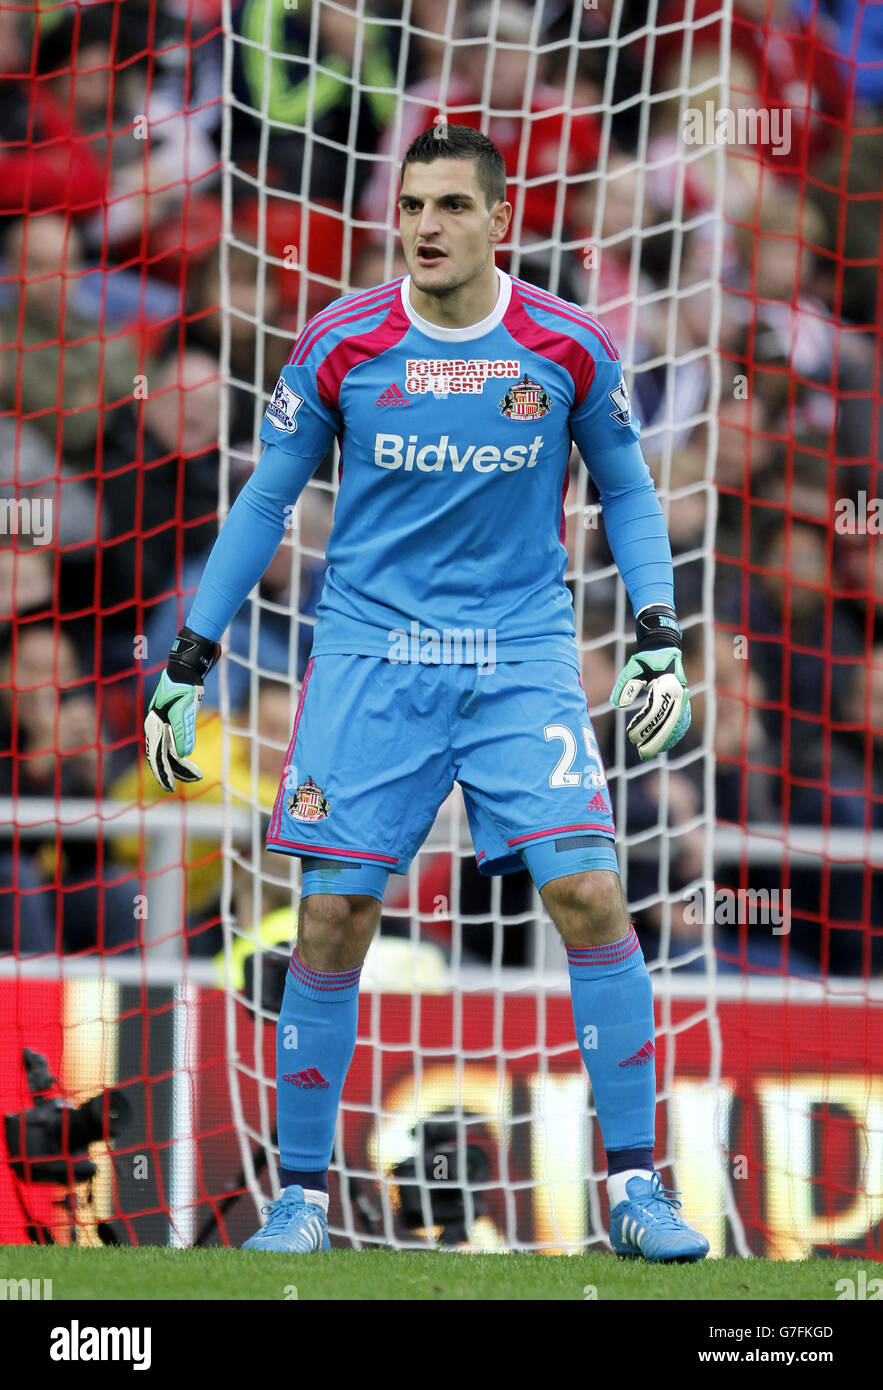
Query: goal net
[188, 185]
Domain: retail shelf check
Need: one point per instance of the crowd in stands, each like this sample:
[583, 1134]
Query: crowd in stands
[111, 279]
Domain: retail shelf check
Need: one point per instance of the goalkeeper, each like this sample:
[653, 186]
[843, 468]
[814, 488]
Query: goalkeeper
[445, 651]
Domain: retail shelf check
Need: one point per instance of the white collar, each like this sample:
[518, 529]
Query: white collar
[472, 330]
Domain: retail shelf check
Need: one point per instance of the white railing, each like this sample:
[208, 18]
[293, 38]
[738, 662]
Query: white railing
[165, 826]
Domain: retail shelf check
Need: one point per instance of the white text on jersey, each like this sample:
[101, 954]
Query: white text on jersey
[452, 375]
[390, 452]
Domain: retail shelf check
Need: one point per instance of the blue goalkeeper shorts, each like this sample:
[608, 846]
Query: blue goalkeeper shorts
[377, 746]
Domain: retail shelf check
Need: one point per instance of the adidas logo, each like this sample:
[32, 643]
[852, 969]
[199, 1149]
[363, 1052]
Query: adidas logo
[644, 1054]
[598, 803]
[309, 1080]
[392, 396]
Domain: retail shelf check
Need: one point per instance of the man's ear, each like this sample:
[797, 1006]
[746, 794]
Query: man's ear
[500, 219]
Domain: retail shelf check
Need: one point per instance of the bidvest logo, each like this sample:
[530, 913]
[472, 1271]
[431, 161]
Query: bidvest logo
[390, 452]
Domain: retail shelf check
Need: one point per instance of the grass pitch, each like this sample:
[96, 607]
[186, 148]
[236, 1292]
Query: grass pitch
[155, 1273]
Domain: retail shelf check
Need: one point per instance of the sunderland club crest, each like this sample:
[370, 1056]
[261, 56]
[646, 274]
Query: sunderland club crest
[526, 400]
[309, 802]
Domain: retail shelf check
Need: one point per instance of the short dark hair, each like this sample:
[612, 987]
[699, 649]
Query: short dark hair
[443, 141]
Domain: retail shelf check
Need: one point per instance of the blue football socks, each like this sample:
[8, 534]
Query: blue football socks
[315, 1041]
[613, 1017]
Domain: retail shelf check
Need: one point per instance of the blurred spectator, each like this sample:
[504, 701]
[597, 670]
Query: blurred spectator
[52, 745]
[370, 266]
[799, 480]
[46, 163]
[318, 165]
[796, 482]
[59, 370]
[862, 737]
[160, 485]
[745, 788]
[33, 484]
[855, 31]
[269, 728]
[608, 212]
[848, 194]
[29, 475]
[26, 579]
[250, 342]
[146, 94]
[276, 631]
[745, 448]
[774, 65]
[555, 145]
[803, 643]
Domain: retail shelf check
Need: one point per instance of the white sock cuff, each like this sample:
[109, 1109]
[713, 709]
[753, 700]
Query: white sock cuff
[616, 1184]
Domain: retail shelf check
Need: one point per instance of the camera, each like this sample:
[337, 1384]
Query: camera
[448, 1167]
[50, 1142]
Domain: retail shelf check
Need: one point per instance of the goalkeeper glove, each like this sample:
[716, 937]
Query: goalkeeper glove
[170, 726]
[657, 668]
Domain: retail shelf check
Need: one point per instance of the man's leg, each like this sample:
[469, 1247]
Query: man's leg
[612, 1014]
[613, 1017]
[315, 1041]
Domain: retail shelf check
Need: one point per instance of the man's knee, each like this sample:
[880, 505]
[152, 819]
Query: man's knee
[587, 908]
[335, 930]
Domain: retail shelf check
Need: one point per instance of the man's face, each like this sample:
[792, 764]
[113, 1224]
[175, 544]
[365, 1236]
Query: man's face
[446, 227]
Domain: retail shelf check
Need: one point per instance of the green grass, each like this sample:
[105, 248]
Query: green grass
[152, 1272]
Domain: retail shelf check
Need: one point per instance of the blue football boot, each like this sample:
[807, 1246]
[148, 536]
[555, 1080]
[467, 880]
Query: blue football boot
[294, 1226]
[647, 1225]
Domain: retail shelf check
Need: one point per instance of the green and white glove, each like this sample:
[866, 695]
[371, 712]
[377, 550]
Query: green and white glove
[170, 726]
[657, 668]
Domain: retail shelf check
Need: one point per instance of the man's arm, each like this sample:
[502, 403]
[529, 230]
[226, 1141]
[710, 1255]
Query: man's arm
[634, 524]
[297, 430]
[247, 542]
[607, 437]
[249, 539]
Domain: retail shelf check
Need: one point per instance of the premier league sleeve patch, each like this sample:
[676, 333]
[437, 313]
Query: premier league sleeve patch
[283, 407]
[623, 412]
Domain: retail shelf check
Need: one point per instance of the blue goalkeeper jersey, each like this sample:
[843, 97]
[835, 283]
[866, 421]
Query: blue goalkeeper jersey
[454, 452]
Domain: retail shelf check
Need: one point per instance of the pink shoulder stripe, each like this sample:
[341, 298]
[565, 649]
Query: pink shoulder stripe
[554, 305]
[328, 318]
[572, 318]
[352, 317]
[352, 350]
[329, 314]
[549, 342]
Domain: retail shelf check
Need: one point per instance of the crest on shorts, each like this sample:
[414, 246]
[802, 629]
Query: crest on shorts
[526, 400]
[283, 407]
[309, 802]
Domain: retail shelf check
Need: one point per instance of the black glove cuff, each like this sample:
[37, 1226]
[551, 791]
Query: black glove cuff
[657, 626]
[191, 657]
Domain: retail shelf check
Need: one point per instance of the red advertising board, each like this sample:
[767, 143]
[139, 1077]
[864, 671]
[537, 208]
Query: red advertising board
[778, 1148]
